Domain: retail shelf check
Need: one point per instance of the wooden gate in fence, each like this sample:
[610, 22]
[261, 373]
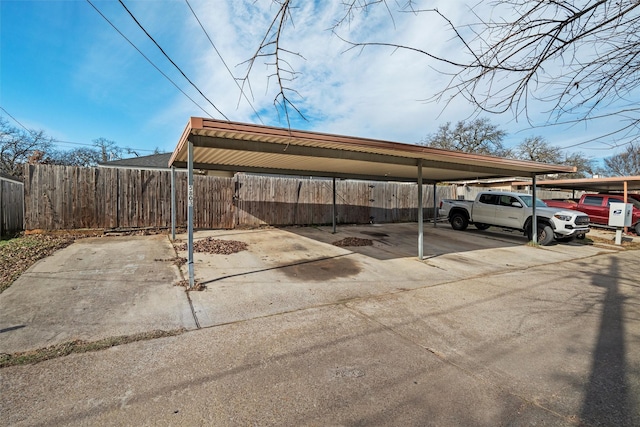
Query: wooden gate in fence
[11, 206]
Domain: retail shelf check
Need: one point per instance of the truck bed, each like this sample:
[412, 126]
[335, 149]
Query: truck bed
[562, 203]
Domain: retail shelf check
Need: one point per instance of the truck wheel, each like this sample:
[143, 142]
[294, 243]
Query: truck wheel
[545, 234]
[637, 228]
[481, 226]
[459, 222]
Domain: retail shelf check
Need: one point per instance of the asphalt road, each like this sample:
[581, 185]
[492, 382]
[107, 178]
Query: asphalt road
[485, 331]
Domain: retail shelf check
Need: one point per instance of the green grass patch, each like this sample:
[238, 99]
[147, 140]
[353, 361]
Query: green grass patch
[79, 346]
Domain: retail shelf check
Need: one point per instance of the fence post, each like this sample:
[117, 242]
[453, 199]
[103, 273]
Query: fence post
[173, 204]
[420, 215]
[2, 208]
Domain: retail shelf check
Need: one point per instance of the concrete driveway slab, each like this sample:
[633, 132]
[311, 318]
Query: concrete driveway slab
[293, 268]
[323, 366]
[93, 289]
[486, 331]
[565, 339]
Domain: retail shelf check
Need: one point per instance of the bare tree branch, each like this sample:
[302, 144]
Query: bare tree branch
[579, 59]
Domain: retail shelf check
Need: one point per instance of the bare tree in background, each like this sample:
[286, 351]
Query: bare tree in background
[581, 58]
[276, 58]
[81, 156]
[537, 149]
[626, 163]
[585, 166]
[478, 136]
[18, 147]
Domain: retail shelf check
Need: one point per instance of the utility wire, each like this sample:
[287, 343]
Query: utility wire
[149, 61]
[58, 141]
[170, 60]
[223, 61]
[17, 121]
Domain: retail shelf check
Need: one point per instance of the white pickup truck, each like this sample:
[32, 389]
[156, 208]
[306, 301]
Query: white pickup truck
[514, 211]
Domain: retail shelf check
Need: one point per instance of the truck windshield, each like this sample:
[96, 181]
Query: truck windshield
[528, 201]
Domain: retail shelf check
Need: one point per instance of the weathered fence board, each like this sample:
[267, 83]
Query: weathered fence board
[11, 206]
[293, 201]
[64, 197]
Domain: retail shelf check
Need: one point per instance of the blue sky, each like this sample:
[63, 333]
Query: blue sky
[65, 70]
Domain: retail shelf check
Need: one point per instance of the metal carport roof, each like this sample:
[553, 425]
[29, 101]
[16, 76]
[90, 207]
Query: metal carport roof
[240, 147]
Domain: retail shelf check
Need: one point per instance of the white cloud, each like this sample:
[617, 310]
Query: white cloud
[374, 92]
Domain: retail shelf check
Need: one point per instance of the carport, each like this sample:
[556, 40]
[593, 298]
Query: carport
[210, 144]
[621, 184]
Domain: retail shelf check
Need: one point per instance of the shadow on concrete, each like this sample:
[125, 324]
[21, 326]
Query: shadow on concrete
[606, 399]
[317, 269]
[12, 328]
[400, 240]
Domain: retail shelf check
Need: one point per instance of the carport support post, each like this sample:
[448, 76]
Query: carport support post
[173, 204]
[435, 206]
[534, 218]
[420, 213]
[190, 213]
[333, 206]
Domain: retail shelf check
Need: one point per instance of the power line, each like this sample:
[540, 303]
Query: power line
[170, 60]
[58, 141]
[223, 61]
[148, 60]
[16, 120]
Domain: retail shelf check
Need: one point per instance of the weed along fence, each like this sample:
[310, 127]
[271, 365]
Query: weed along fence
[66, 197]
[11, 206]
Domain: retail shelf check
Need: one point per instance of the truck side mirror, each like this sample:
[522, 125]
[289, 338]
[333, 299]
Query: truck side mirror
[516, 204]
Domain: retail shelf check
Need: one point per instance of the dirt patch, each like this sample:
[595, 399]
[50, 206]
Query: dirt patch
[79, 346]
[177, 261]
[17, 255]
[322, 270]
[100, 232]
[627, 243]
[211, 245]
[197, 286]
[353, 241]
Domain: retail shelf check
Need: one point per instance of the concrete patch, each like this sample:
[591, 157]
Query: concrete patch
[95, 288]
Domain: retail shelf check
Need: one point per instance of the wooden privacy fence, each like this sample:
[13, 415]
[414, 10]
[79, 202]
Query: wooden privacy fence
[297, 201]
[11, 206]
[66, 197]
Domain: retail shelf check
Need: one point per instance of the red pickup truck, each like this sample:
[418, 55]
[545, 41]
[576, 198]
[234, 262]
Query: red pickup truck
[597, 207]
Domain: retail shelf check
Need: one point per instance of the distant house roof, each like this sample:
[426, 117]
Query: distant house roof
[154, 161]
[8, 177]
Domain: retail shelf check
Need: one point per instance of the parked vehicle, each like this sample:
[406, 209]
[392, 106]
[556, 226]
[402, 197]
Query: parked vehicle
[597, 207]
[514, 211]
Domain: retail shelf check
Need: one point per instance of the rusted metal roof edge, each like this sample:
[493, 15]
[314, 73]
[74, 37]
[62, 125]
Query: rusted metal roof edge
[293, 137]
